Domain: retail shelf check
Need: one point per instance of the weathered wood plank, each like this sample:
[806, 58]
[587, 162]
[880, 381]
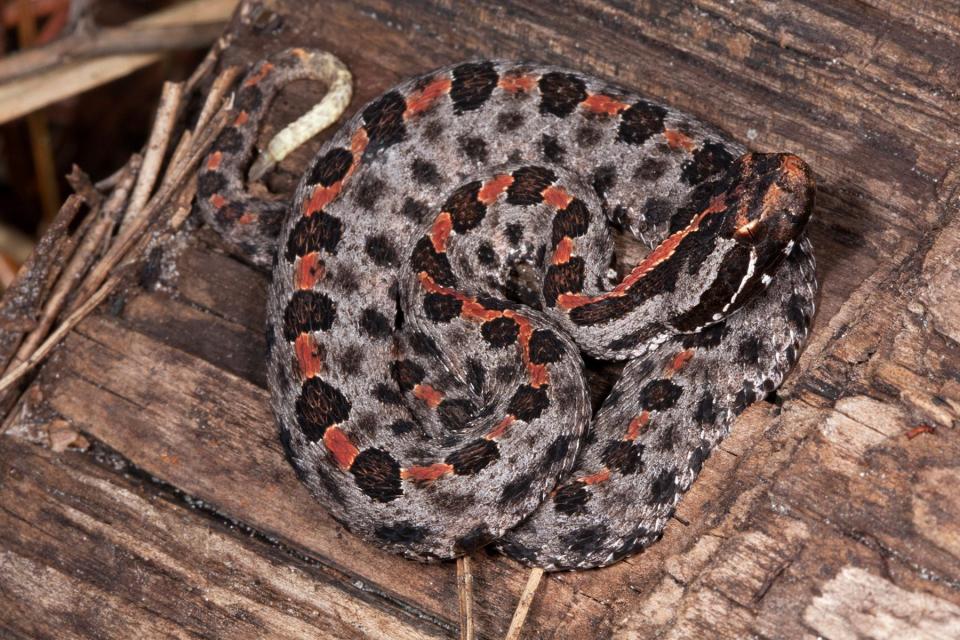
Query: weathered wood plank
[807, 509]
[89, 551]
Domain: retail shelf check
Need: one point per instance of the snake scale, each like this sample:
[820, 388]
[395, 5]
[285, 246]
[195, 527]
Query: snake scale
[445, 267]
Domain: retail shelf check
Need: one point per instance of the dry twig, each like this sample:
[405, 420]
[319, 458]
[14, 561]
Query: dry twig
[167, 110]
[104, 276]
[97, 239]
[29, 93]
[214, 99]
[54, 338]
[523, 607]
[109, 41]
[465, 595]
[130, 235]
[22, 300]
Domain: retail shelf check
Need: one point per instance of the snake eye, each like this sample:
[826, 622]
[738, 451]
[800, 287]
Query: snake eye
[749, 232]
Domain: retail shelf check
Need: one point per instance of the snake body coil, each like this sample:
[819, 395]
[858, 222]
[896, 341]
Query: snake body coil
[447, 261]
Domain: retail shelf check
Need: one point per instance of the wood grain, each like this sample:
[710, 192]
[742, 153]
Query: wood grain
[832, 513]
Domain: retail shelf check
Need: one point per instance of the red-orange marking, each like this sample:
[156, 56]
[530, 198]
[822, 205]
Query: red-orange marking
[309, 355]
[213, 162]
[564, 249]
[557, 197]
[242, 118]
[358, 143]
[492, 189]
[247, 218]
[265, 68]
[636, 425]
[424, 99]
[428, 394]
[442, 227]
[473, 310]
[310, 270]
[321, 197]
[677, 140]
[596, 478]
[599, 103]
[501, 428]
[537, 373]
[217, 200]
[923, 428]
[338, 444]
[426, 474]
[668, 246]
[574, 300]
[515, 83]
[655, 257]
[794, 167]
[680, 360]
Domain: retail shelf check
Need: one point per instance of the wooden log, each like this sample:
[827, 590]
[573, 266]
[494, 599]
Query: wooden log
[85, 545]
[828, 513]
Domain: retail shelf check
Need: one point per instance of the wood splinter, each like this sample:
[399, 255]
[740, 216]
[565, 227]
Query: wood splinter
[523, 607]
[465, 594]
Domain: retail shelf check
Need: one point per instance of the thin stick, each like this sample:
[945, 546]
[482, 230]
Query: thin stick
[129, 235]
[109, 41]
[66, 282]
[214, 98]
[40, 146]
[33, 91]
[523, 607]
[111, 180]
[209, 62]
[465, 594]
[54, 338]
[218, 89]
[98, 236]
[156, 149]
[21, 301]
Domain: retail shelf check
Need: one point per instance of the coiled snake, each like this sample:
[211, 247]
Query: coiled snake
[447, 263]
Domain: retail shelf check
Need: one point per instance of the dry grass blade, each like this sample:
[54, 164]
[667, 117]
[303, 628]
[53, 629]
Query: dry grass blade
[29, 93]
[523, 607]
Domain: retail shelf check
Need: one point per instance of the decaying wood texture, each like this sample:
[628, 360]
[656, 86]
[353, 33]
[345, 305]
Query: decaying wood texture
[833, 513]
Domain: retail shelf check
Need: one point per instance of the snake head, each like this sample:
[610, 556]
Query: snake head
[773, 197]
